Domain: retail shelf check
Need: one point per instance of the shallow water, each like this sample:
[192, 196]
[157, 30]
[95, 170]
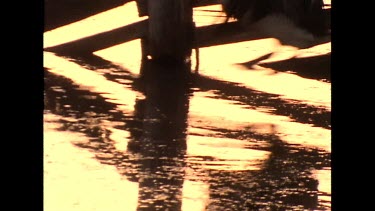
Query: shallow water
[238, 135]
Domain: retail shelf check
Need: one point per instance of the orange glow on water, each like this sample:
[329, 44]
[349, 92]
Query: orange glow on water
[120, 138]
[325, 185]
[222, 62]
[75, 180]
[225, 114]
[114, 92]
[229, 154]
[195, 195]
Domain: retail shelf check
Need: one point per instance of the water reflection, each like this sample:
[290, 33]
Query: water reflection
[157, 153]
[284, 182]
[160, 138]
[223, 139]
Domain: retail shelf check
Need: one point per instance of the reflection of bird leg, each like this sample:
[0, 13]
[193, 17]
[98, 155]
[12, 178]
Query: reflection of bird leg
[196, 49]
[196, 70]
[277, 145]
[144, 48]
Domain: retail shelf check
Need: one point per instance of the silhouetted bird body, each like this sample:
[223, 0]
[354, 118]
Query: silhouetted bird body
[306, 14]
[293, 22]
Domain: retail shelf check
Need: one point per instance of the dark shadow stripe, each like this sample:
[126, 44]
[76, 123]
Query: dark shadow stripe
[102, 40]
[58, 13]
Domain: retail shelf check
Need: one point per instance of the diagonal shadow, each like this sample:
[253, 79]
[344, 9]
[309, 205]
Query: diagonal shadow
[102, 40]
[253, 62]
[205, 36]
[216, 34]
[294, 109]
[157, 133]
[314, 67]
[58, 13]
[284, 181]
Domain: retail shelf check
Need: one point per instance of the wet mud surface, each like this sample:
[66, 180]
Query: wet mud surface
[218, 139]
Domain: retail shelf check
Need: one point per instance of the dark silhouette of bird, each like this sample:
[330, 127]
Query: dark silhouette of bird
[293, 22]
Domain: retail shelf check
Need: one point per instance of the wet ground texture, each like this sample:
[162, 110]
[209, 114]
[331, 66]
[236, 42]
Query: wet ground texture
[249, 131]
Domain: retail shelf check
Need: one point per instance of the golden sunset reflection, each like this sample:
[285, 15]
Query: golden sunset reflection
[240, 126]
[120, 138]
[195, 195]
[114, 92]
[223, 62]
[228, 154]
[205, 111]
[74, 180]
[325, 186]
